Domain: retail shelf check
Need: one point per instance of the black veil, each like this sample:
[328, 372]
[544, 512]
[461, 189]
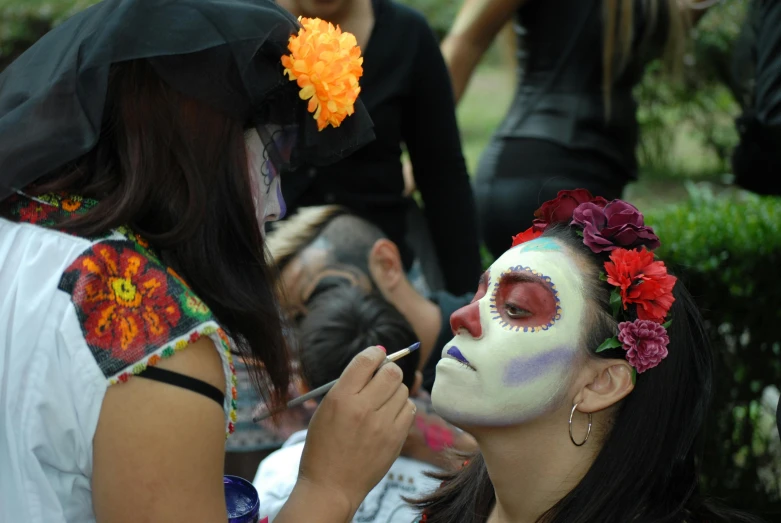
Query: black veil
[224, 52]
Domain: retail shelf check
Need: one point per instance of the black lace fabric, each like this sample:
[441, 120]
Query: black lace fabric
[225, 53]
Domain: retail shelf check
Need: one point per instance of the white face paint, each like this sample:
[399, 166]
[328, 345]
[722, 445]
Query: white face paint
[265, 182]
[516, 342]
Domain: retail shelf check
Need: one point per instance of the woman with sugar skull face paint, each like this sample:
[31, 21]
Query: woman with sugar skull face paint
[583, 370]
[142, 147]
[264, 171]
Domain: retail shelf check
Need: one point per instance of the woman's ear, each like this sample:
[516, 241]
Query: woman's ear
[612, 382]
[385, 265]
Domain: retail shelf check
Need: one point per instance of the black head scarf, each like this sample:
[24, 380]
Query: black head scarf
[225, 53]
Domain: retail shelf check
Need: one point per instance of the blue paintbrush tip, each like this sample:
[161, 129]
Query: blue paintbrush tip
[414, 347]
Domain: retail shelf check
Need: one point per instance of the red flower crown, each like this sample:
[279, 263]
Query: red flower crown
[638, 279]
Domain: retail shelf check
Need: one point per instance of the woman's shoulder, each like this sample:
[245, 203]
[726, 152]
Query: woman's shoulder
[132, 308]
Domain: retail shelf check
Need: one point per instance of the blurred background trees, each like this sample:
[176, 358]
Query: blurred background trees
[723, 242]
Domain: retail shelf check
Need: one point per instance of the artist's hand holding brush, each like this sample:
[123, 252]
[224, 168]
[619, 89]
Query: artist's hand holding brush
[354, 437]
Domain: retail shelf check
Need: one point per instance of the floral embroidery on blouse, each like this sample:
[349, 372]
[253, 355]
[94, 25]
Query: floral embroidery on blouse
[48, 210]
[133, 310]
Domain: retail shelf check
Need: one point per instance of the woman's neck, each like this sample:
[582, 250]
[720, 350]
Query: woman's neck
[533, 466]
[356, 16]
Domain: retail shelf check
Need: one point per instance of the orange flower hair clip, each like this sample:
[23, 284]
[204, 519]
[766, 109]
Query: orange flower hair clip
[326, 64]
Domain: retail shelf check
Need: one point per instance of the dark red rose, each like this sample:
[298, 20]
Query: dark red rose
[617, 224]
[560, 209]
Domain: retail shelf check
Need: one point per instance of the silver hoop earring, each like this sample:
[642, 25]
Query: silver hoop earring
[588, 433]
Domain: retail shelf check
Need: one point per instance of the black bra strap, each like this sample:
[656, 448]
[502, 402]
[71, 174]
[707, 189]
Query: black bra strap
[184, 382]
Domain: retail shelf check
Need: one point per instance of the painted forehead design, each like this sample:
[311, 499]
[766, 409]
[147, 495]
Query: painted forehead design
[494, 311]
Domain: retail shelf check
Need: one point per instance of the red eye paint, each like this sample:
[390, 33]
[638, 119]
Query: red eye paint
[531, 296]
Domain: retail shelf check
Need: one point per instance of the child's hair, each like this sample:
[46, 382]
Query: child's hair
[343, 321]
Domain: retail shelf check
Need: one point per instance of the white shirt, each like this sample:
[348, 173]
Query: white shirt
[58, 295]
[277, 476]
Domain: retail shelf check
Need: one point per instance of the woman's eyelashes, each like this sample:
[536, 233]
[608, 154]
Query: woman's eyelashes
[527, 303]
[516, 313]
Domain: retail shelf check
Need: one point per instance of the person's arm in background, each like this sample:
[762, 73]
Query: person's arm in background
[475, 27]
[479, 21]
[430, 132]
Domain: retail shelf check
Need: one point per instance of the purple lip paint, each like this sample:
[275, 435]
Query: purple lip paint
[453, 351]
[242, 500]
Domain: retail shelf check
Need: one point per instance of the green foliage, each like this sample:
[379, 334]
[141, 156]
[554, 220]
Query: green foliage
[728, 253]
[22, 22]
[698, 103]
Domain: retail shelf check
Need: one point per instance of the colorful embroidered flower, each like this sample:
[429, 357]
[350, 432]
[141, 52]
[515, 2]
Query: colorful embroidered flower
[645, 343]
[193, 306]
[617, 224]
[527, 235]
[326, 64]
[641, 281]
[560, 208]
[37, 213]
[71, 204]
[142, 242]
[124, 300]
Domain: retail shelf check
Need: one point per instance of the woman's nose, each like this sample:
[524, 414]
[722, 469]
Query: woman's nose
[468, 318]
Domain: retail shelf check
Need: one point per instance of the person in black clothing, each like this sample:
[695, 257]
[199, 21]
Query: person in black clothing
[756, 161]
[406, 88]
[572, 122]
[327, 246]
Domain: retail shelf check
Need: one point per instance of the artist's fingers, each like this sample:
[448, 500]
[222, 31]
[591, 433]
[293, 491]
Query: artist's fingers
[359, 372]
[406, 415]
[383, 386]
[390, 408]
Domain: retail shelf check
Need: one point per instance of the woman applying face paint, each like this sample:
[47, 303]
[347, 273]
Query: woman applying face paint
[141, 146]
[583, 371]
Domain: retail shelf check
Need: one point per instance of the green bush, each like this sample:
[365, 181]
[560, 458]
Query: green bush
[22, 22]
[728, 253]
[698, 104]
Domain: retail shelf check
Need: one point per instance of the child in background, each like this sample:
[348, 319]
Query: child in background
[341, 323]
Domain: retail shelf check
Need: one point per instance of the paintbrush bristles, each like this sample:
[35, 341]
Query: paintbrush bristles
[323, 389]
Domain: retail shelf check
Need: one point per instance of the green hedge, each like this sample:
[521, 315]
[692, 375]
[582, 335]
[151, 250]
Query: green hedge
[22, 22]
[728, 253]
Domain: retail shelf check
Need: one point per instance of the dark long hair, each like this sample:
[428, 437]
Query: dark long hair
[175, 170]
[647, 470]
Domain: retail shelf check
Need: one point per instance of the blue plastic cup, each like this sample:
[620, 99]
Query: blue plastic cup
[242, 500]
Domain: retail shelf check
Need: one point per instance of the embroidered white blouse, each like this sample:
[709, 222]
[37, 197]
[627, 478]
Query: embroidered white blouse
[76, 316]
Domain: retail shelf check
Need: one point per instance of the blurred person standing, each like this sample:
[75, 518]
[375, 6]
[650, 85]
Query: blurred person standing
[407, 91]
[756, 161]
[572, 122]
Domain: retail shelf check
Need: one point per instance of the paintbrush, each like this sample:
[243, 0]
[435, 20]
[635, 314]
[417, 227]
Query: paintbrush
[322, 390]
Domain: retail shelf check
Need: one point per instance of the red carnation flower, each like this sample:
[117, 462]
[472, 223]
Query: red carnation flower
[525, 236]
[642, 281]
[560, 208]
